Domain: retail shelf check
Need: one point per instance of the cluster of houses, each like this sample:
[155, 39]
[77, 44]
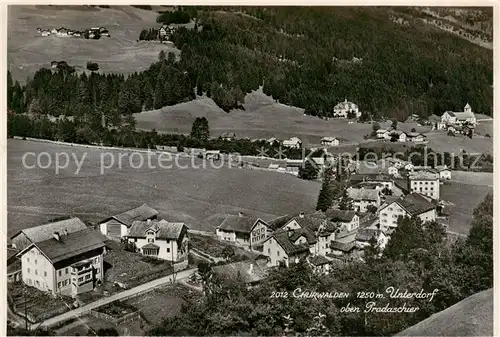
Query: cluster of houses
[165, 32]
[378, 198]
[66, 32]
[390, 134]
[458, 122]
[66, 257]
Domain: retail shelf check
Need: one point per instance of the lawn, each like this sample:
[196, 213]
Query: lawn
[439, 141]
[262, 118]
[200, 197]
[121, 53]
[163, 302]
[464, 197]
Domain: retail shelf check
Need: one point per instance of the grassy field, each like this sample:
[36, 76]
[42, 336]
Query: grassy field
[464, 196]
[262, 118]
[199, 197]
[439, 141]
[121, 53]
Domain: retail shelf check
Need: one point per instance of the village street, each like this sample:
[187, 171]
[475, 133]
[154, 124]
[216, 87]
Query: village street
[119, 296]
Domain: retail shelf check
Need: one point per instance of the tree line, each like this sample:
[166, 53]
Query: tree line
[418, 256]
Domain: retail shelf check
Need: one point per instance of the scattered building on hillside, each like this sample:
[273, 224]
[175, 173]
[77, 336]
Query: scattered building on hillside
[294, 143]
[443, 171]
[283, 247]
[426, 183]
[399, 136]
[160, 239]
[385, 180]
[339, 248]
[245, 231]
[344, 109]
[362, 198]
[330, 141]
[413, 204]
[117, 226]
[272, 140]
[28, 236]
[459, 118]
[68, 264]
[320, 264]
[384, 133]
[416, 137]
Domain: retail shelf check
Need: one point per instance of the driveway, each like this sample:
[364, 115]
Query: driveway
[121, 295]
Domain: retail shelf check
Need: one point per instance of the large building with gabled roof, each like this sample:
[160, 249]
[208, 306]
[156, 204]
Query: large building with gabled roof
[66, 263]
[412, 205]
[243, 230]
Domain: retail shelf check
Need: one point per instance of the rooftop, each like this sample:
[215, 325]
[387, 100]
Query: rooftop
[44, 232]
[318, 260]
[337, 215]
[140, 213]
[163, 229]
[414, 204]
[424, 175]
[238, 223]
[344, 247]
[365, 234]
[70, 245]
[283, 239]
[363, 194]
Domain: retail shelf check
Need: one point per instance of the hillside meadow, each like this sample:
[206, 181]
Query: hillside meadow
[199, 197]
[121, 53]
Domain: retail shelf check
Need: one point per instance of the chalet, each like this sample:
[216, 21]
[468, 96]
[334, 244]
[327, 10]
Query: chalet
[330, 141]
[343, 109]
[45, 32]
[399, 136]
[288, 246]
[383, 134]
[272, 140]
[28, 236]
[362, 198]
[364, 236]
[346, 222]
[242, 230]
[294, 143]
[411, 205]
[343, 248]
[117, 226]
[320, 264]
[229, 136]
[425, 182]
[459, 118]
[68, 264]
[160, 239]
[416, 137]
[443, 171]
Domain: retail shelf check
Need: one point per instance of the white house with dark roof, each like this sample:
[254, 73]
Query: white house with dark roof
[287, 246]
[160, 239]
[27, 236]
[413, 204]
[320, 264]
[330, 141]
[117, 226]
[69, 264]
[294, 143]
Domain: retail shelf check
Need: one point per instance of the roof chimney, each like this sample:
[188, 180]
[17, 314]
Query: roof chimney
[57, 236]
[301, 214]
[290, 231]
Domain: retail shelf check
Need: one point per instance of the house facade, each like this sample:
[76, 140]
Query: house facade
[459, 118]
[243, 231]
[411, 205]
[117, 227]
[342, 109]
[69, 264]
[280, 249]
[160, 239]
[426, 183]
[330, 141]
[362, 198]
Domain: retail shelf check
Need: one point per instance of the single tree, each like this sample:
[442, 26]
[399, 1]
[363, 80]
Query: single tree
[308, 171]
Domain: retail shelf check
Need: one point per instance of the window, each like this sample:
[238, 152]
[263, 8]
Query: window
[28, 259]
[168, 250]
[278, 253]
[80, 279]
[59, 284]
[60, 273]
[36, 261]
[28, 270]
[66, 282]
[269, 250]
[29, 281]
[151, 240]
[44, 274]
[135, 240]
[37, 283]
[36, 271]
[87, 277]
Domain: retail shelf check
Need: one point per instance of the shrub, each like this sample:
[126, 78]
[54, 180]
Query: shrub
[487, 135]
[173, 17]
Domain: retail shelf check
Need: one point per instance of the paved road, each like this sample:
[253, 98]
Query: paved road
[103, 301]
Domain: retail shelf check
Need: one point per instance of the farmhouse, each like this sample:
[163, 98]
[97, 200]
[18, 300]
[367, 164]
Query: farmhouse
[384, 134]
[343, 248]
[160, 239]
[425, 182]
[229, 136]
[330, 141]
[362, 198]
[28, 236]
[117, 226]
[364, 236]
[345, 109]
[243, 230]
[416, 137]
[319, 264]
[69, 264]
[414, 204]
[459, 118]
[288, 246]
[347, 222]
[443, 171]
[399, 136]
[294, 143]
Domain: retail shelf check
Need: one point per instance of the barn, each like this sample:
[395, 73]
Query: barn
[117, 226]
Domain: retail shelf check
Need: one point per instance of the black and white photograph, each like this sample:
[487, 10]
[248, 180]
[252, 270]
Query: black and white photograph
[249, 170]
